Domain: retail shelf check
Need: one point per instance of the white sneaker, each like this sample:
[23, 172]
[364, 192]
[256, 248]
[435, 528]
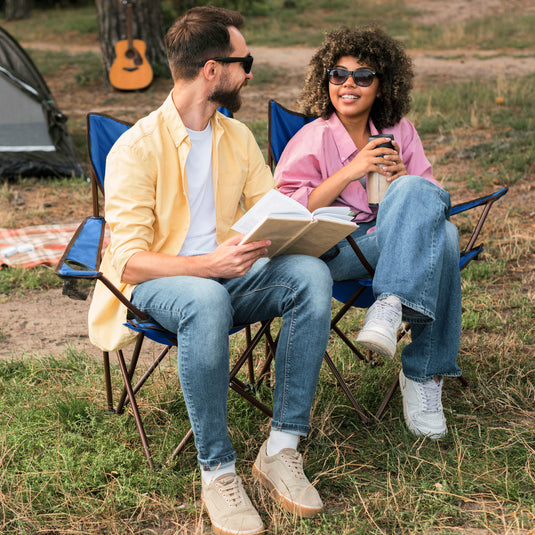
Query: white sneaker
[422, 407]
[380, 330]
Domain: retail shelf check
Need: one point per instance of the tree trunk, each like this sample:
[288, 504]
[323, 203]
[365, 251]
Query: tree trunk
[147, 25]
[18, 9]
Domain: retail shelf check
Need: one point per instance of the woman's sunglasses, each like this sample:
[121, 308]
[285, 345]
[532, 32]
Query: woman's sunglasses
[362, 77]
[246, 62]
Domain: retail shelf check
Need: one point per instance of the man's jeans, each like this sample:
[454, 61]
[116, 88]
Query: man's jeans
[202, 311]
[415, 253]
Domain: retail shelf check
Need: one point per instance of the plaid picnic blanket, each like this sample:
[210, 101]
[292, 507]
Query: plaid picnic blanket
[32, 246]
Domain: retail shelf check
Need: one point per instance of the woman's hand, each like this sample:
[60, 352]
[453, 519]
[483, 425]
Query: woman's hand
[370, 159]
[394, 165]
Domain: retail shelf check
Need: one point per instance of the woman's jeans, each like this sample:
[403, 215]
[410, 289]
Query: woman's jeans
[203, 311]
[415, 253]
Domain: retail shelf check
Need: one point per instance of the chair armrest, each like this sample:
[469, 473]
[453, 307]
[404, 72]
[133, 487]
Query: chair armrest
[82, 256]
[487, 201]
[468, 205]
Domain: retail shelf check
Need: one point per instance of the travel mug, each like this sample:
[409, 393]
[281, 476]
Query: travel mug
[376, 183]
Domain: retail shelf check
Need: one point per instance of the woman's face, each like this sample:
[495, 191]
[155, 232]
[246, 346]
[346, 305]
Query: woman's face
[350, 100]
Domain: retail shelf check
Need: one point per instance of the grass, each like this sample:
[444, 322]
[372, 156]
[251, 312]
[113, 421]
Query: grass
[15, 281]
[79, 69]
[67, 466]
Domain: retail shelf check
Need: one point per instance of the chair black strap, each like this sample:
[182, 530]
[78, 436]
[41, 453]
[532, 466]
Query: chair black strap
[360, 255]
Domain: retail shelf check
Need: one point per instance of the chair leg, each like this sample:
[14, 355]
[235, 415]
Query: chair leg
[366, 358]
[235, 383]
[334, 327]
[135, 410]
[393, 387]
[131, 370]
[363, 418]
[265, 372]
[187, 437]
[107, 379]
[149, 371]
[250, 363]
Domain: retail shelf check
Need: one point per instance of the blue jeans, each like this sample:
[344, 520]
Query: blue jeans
[415, 253]
[202, 311]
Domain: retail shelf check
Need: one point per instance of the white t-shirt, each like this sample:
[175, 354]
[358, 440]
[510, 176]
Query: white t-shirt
[201, 237]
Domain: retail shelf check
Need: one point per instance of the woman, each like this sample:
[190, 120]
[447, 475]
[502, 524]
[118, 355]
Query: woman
[358, 84]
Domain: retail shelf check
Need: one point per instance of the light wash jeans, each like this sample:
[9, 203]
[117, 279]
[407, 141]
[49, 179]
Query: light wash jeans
[415, 253]
[202, 311]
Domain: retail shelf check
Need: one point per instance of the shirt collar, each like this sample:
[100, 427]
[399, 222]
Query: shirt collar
[176, 127]
[344, 143]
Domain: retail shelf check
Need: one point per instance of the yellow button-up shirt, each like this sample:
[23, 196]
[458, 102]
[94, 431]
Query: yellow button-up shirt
[146, 201]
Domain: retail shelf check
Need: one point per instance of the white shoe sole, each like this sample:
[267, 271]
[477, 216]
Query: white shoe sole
[378, 343]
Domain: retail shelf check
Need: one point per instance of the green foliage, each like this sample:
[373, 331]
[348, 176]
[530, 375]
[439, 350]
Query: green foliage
[45, 24]
[87, 66]
[17, 280]
[247, 7]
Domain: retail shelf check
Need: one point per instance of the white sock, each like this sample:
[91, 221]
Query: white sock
[208, 475]
[279, 440]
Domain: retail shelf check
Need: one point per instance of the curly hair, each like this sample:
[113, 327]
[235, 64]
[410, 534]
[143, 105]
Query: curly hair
[370, 46]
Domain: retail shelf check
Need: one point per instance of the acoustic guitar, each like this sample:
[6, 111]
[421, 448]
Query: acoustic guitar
[130, 69]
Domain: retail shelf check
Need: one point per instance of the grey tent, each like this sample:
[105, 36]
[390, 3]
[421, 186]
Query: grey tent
[34, 140]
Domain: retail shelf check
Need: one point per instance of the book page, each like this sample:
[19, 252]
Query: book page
[273, 202]
[334, 213]
[279, 230]
[318, 237]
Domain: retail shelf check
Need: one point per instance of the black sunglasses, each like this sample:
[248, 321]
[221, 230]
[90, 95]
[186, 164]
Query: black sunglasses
[362, 77]
[246, 62]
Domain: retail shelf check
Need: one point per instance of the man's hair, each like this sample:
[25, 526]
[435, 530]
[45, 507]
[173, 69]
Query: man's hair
[200, 34]
[371, 46]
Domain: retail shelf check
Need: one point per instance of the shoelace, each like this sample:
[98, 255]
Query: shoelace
[384, 310]
[431, 395]
[294, 461]
[229, 489]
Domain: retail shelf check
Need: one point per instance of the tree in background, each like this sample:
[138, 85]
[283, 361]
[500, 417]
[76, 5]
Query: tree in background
[147, 25]
[18, 9]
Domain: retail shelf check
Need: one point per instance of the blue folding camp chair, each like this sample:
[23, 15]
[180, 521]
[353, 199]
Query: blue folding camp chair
[282, 125]
[81, 260]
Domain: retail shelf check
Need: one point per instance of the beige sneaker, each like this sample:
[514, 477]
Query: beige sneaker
[230, 509]
[283, 475]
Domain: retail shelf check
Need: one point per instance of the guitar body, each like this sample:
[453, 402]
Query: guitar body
[130, 69]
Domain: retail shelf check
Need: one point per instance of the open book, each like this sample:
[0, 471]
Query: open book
[291, 228]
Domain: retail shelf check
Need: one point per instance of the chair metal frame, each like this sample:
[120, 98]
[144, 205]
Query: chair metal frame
[81, 260]
[358, 293]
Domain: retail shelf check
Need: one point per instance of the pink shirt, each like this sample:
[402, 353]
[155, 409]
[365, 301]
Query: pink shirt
[322, 147]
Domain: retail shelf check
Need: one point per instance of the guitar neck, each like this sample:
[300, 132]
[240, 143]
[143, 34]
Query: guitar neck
[128, 4]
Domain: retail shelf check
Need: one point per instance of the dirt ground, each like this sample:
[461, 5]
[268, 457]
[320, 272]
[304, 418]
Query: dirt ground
[45, 323]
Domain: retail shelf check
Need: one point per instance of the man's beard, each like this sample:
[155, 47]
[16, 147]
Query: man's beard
[229, 98]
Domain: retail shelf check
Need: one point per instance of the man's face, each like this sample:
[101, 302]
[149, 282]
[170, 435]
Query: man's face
[233, 77]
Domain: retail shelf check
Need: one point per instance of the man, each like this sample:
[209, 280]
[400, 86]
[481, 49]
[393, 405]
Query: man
[174, 183]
